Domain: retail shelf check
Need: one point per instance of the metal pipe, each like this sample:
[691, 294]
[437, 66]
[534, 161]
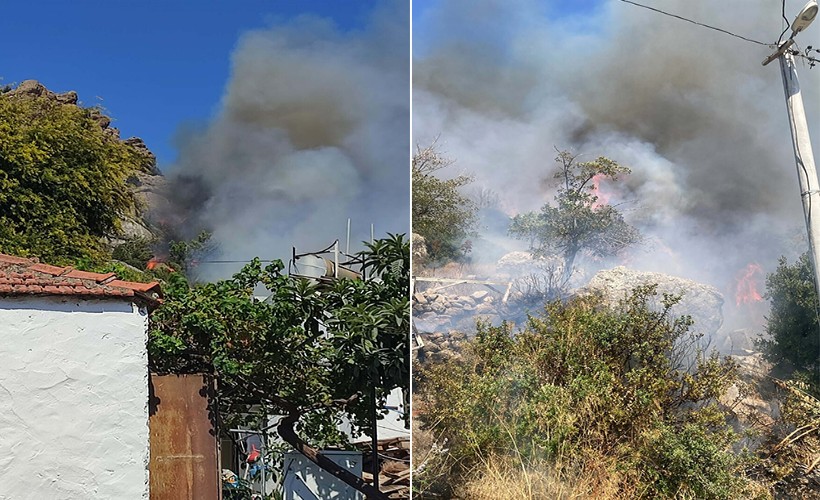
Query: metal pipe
[336, 259]
[375, 439]
[347, 247]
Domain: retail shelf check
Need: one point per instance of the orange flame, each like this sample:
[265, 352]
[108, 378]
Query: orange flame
[154, 263]
[603, 199]
[746, 290]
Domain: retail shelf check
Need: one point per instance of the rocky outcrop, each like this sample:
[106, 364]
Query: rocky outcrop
[133, 228]
[419, 247]
[458, 305]
[150, 161]
[440, 347]
[147, 185]
[150, 191]
[34, 89]
[439, 311]
[519, 263]
[702, 302]
[737, 341]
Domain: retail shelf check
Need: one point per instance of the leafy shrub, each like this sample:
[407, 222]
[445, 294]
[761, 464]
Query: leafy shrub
[790, 456]
[302, 349]
[62, 181]
[793, 337]
[135, 253]
[585, 384]
[793, 344]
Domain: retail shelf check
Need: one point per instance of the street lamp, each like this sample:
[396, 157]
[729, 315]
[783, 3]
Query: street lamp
[803, 155]
[800, 23]
[804, 18]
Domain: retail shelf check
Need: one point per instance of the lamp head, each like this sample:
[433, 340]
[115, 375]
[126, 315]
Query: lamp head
[805, 17]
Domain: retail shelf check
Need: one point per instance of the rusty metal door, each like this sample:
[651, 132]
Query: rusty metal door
[184, 460]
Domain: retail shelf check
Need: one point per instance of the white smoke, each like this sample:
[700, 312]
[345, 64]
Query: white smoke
[313, 129]
[694, 114]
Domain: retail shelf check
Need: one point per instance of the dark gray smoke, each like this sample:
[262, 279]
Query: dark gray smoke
[692, 111]
[313, 128]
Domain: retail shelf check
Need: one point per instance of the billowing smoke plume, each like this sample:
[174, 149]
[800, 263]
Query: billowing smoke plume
[692, 111]
[313, 129]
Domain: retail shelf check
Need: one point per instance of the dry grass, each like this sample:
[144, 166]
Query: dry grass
[499, 479]
[430, 464]
[505, 478]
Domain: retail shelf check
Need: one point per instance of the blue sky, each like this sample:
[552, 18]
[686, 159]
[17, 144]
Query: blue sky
[497, 16]
[153, 65]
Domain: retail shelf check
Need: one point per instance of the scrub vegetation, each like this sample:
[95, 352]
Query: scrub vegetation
[585, 400]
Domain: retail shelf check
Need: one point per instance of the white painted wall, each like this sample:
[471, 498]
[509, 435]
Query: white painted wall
[389, 427]
[73, 399]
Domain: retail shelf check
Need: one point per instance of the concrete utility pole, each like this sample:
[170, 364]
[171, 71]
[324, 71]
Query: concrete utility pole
[804, 158]
[803, 155]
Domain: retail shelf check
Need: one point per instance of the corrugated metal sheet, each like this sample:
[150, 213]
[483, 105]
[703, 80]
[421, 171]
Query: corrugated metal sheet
[184, 459]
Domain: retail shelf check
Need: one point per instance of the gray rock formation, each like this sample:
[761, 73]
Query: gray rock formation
[33, 88]
[132, 228]
[752, 400]
[702, 302]
[434, 311]
[419, 247]
[30, 88]
[150, 191]
[440, 347]
[151, 199]
[517, 263]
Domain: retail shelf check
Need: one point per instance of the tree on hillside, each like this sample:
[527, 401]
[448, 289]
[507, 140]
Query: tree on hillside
[306, 352]
[62, 180]
[794, 341]
[579, 223]
[441, 213]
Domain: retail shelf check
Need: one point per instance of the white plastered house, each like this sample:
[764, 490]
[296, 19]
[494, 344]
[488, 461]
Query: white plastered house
[73, 383]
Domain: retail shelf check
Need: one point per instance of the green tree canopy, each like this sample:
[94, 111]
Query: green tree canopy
[62, 180]
[301, 349]
[794, 337]
[441, 214]
[579, 223]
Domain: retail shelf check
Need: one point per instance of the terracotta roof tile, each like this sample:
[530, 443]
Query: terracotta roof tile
[20, 276]
[11, 259]
[139, 287]
[45, 268]
[85, 275]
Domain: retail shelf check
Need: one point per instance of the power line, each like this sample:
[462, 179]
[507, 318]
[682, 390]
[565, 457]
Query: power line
[695, 22]
[805, 55]
[785, 21]
[248, 261]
